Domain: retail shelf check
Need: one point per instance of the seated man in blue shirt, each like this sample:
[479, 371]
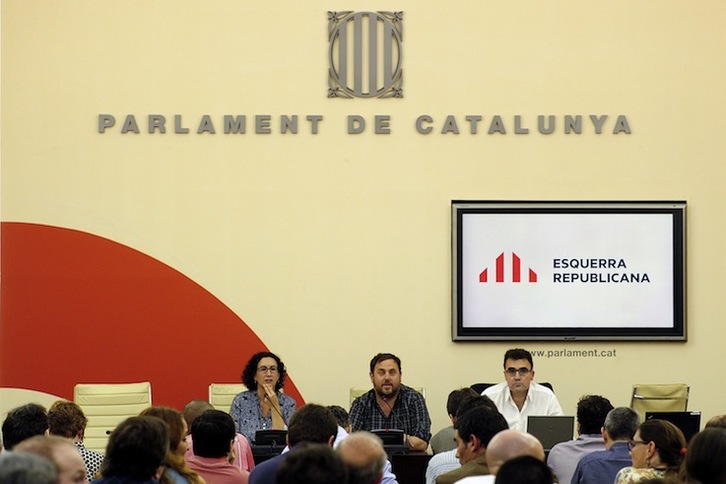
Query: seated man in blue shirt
[391, 404]
[602, 466]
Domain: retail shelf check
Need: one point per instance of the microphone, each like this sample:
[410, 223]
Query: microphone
[395, 416]
[277, 410]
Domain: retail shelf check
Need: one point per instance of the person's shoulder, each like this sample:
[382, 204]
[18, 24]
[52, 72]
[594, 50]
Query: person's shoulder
[286, 398]
[594, 456]
[409, 392]
[443, 458]
[362, 399]
[539, 388]
[630, 474]
[561, 447]
[245, 395]
[270, 463]
[496, 388]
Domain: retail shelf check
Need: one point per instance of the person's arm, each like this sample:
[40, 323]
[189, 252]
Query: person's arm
[235, 411]
[288, 405]
[416, 444]
[420, 435]
[388, 476]
[554, 406]
[357, 415]
[239, 408]
[275, 411]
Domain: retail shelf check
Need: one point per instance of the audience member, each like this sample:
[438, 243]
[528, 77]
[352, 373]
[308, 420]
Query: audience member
[176, 470]
[24, 422]
[25, 468]
[262, 406]
[473, 430]
[519, 397]
[508, 444]
[310, 423]
[66, 419]
[135, 452]
[344, 429]
[312, 464]
[602, 466]
[706, 457]
[213, 435]
[656, 451]
[342, 416]
[391, 404]
[524, 470]
[504, 446]
[364, 456]
[443, 440]
[718, 421]
[242, 450]
[61, 452]
[591, 413]
[447, 461]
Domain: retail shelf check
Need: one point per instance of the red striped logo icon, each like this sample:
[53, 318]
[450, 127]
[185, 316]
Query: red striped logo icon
[516, 271]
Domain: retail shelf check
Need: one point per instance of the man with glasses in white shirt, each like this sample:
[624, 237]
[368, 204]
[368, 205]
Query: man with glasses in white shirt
[519, 396]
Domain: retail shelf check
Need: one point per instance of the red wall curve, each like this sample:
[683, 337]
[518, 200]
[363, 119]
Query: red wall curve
[78, 308]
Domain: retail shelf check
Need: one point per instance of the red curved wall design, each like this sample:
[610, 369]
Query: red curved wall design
[78, 308]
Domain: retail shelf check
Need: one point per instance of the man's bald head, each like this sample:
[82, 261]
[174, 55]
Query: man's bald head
[364, 456]
[194, 409]
[509, 444]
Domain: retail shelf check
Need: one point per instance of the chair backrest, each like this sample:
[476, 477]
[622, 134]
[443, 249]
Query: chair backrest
[222, 394]
[108, 404]
[11, 398]
[357, 392]
[668, 397]
[547, 384]
[480, 387]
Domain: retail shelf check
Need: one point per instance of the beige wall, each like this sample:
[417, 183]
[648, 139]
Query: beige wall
[333, 247]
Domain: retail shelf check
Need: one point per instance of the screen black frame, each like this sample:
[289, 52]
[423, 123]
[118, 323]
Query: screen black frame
[675, 332]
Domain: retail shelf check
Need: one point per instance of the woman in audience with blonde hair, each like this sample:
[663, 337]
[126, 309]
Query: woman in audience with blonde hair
[657, 449]
[176, 471]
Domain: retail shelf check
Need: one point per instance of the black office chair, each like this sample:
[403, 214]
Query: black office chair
[480, 387]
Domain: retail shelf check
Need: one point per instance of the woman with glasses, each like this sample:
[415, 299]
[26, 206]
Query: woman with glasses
[657, 450]
[262, 406]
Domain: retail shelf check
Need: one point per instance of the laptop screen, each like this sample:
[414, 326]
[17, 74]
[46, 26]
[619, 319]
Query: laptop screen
[688, 422]
[551, 430]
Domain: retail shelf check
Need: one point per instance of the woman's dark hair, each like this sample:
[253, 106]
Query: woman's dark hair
[136, 448]
[706, 457]
[248, 374]
[668, 440]
[175, 421]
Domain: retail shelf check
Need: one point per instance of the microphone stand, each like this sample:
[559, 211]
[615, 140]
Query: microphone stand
[406, 442]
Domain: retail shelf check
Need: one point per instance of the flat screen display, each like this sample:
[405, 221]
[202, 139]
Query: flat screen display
[568, 270]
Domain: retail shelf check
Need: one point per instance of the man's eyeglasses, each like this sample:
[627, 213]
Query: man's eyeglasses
[265, 369]
[514, 371]
[633, 443]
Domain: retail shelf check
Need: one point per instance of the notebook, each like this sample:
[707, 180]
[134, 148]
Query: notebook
[551, 430]
[688, 422]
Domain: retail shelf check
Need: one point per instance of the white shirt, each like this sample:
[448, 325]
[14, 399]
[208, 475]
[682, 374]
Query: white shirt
[487, 479]
[540, 400]
[441, 463]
